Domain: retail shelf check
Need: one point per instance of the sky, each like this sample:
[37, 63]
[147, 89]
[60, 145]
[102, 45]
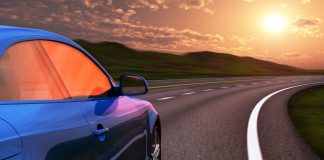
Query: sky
[283, 31]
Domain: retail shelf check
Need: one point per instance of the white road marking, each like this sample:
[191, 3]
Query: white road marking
[224, 87]
[253, 146]
[188, 93]
[206, 90]
[240, 85]
[164, 98]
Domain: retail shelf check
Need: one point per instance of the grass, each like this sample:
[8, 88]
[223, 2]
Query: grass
[118, 59]
[307, 113]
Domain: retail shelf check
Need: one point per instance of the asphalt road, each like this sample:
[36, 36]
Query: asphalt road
[209, 118]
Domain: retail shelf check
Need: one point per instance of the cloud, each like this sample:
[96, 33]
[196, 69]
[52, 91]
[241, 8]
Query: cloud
[13, 17]
[99, 21]
[293, 54]
[2, 6]
[89, 3]
[309, 59]
[154, 5]
[306, 1]
[307, 26]
[243, 40]
[196, 4]
[128, 14]
[119, 10]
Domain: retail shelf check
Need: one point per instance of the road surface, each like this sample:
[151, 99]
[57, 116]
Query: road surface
[210, 118]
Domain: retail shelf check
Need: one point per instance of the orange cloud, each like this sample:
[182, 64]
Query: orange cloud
[307, 26]
[196, 4]
[306, 1]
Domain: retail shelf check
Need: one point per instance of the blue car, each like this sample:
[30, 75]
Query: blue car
[57, 102]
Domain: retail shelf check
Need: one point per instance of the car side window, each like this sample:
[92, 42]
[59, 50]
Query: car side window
[81, 76]
[25, 76]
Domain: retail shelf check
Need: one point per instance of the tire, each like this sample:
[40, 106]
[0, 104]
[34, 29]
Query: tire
[155, 147]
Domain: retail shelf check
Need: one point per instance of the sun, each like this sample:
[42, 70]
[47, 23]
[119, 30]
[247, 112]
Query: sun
[274, 23]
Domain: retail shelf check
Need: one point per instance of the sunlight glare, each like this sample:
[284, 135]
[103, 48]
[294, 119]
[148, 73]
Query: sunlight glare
[274, 23]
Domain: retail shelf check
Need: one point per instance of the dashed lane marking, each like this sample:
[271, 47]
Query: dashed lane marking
[164, 98]
[188, 93]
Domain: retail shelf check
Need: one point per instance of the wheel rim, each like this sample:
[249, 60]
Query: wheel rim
[156, 144]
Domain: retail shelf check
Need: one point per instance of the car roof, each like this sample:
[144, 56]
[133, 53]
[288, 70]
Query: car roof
[12, 35]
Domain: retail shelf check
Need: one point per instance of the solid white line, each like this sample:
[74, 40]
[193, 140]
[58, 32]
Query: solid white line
[253, 146]
[188, 93]
[164, 98]
[206, 90]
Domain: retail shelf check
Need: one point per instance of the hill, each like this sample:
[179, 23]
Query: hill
[118, 59]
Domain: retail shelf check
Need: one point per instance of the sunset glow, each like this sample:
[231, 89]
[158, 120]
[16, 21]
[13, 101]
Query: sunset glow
[288, 32]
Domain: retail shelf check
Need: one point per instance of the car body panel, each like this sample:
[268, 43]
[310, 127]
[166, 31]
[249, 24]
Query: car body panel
[42, 126]
[152, 113]
[123, 119]
[10, 141]
[119, 144]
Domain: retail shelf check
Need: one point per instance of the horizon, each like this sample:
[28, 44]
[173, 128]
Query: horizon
[286, 32]
[184, 53]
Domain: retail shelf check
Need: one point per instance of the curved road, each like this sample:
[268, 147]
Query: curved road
[208, 118]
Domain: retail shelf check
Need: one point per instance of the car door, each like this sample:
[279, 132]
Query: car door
[34, 104]
[118, 126]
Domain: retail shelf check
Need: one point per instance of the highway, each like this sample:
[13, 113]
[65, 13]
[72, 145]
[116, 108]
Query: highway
[219, 118]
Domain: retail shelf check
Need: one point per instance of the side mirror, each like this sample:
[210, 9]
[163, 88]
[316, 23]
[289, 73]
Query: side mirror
[132, 85]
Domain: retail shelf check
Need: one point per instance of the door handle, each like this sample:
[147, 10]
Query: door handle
[100, 134]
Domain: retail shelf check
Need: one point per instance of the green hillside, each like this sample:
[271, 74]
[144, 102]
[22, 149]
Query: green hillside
[119, 59]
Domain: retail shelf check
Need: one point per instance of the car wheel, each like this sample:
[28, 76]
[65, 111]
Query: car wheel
[156, 144]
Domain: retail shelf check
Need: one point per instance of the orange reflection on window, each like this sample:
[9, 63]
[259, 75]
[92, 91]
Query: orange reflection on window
[25, 76]
[80, 75]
